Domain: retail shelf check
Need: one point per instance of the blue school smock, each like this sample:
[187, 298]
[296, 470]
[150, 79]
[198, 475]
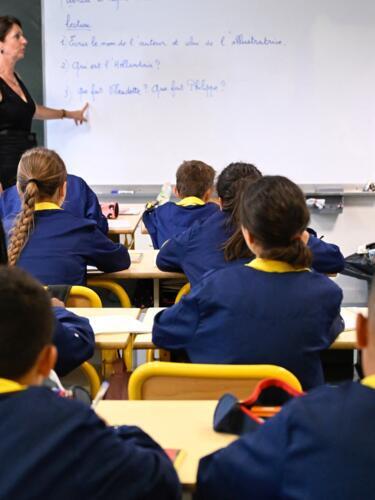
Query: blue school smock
[200, 249]
[80, 201]
[74, 340]
[170, 219]
[320, 446]
[264, 312]
[55, 448]
[61, 245]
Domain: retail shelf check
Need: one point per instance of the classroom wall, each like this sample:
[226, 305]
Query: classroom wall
[353, 227]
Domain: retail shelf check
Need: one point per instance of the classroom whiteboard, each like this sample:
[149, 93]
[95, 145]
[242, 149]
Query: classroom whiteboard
[286, 84]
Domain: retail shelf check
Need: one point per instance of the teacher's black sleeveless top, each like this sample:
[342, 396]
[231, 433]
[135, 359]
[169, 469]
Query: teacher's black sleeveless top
[15, 130]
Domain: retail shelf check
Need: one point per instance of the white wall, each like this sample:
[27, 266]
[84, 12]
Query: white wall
[354, 227]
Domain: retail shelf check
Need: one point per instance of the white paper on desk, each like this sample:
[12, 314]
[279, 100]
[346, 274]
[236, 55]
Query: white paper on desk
[148, 319]
[128, 210]
[118, 224]
[92, 269]
[349, 318]
[117, 324]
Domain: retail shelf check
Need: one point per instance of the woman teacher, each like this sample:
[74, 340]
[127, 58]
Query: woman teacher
[17, 108]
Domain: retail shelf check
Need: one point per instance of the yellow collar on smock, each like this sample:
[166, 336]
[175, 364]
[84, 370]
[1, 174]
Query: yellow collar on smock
[369, 381]
[7, 385]
[190, 201]
[46, 205]
[274, 266]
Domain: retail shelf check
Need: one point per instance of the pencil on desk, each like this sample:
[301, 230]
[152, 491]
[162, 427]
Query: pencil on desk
[100, 395]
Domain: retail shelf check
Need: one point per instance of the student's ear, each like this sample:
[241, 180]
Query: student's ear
[305, 237]
[249, 238]
[62, 193]
[208, 194]
[362, 331]
[46, 360]
[18, 189]
[176, 192]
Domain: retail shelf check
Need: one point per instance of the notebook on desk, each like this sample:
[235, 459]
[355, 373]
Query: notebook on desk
[118, 224]
[136, 257]
[128, 209]
[117, 324]
[350, 318]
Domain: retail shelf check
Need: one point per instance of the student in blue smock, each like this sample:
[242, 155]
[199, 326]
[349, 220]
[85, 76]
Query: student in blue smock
[49, 242]
[216, 241]
[272, 310]
[320, 446]
[72, 335]
[194, 184]
[80, 201]
[52, 447]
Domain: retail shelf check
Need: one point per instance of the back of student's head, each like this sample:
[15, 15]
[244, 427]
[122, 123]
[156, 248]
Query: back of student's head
[26, 322]
[194, 178]
[231, 181]
[41, 172]
[274, 211]
[229, 186]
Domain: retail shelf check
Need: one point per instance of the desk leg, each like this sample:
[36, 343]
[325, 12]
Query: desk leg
[109, 356]
[129, 241]
[128, 354]
[156, 292]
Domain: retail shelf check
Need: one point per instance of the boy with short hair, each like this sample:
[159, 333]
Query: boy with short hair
[194, 185]
[51, 447]
[321, 445]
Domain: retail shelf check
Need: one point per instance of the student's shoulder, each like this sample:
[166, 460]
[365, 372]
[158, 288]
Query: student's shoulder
[323, 281]
[77, 184]
[69, 219]
[232, 272]
[198, 227]
[333, 399]
[9, 194]
[47, 402]
[158, 210]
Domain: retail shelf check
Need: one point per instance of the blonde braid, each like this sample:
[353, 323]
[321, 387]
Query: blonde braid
[20, 232]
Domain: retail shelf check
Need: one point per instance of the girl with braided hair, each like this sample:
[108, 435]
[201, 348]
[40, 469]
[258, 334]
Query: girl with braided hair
[272, 310]
[49, 242]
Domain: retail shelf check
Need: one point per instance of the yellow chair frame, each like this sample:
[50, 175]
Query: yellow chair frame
[183, 291]
[93, 378]
[81, 296]
[166, 381]
[114, 287]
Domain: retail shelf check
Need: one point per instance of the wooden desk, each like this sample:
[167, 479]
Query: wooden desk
[348, 339]
[144, 340]
[109, 340]
[185, 425]
[109, 343]
[126, 225]
[145, 269]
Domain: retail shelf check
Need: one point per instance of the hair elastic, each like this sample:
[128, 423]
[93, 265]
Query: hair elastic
[33, 180]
